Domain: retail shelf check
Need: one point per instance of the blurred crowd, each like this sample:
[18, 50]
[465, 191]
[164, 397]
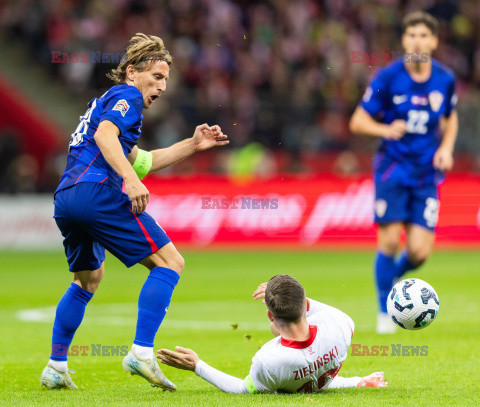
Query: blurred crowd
[276, 72]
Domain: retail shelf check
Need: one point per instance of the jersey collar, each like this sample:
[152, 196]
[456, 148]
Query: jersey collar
[301, 344]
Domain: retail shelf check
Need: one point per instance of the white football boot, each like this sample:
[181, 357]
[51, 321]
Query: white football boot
[148, 369]
[52, 378]
[385, 325]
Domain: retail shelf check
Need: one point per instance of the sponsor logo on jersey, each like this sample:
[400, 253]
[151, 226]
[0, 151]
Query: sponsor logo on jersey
[419, 100]
[398, 99]
[122, 106]
[436, 99]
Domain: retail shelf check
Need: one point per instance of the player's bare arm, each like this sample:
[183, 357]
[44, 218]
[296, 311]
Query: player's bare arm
[362, 123]
[443, 158]
[107, 141]
[185, 359]
[204, 138]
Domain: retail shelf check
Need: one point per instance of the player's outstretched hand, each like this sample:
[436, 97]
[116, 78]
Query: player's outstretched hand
[443, 159]
[184, 358]
[206, 137]
[138, 194]
[374, 380]
[396, 130]
[259, 293]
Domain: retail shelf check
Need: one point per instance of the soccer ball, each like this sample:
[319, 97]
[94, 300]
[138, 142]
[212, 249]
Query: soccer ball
[412, 304]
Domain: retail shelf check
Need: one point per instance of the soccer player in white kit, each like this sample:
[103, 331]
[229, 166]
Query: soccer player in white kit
[310, 346]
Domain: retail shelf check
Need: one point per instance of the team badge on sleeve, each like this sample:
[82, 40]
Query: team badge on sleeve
[122, 106]
[367, 95]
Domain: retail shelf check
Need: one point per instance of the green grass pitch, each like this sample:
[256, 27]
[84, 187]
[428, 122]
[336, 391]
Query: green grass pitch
[215, 292]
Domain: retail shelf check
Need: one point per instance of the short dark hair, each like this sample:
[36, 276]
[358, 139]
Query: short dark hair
[420, 17]
[285, 298]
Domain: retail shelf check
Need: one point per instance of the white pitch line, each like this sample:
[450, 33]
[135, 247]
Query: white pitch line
[121, 315]
[47, 315]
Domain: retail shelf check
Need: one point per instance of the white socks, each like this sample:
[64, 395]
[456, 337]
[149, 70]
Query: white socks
[143, 352]
[59, 365]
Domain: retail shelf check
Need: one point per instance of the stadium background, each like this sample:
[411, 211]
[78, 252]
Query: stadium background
[280, 79]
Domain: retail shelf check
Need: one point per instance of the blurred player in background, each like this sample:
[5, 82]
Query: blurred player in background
[414, 100]
[311, 344]
[94, 214]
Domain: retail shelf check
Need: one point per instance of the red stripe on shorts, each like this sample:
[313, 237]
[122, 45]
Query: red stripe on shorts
[153, 245]
[80, 176]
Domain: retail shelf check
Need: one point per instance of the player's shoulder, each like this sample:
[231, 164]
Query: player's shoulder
[124, 91]
[122, 97]
[332, 320]
[391, 70]
[268, 348]
[440, 69]
[271, 353]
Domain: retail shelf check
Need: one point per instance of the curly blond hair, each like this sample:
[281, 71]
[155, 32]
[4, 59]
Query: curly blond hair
[142, 50]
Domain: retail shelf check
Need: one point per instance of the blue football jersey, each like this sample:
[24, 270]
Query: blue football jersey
[392, 95]
[123, 106]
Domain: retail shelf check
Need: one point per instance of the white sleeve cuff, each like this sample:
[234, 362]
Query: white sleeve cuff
[339, 382]
[225, 382]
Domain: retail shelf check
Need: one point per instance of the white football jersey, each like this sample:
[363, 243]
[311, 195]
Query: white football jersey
[308, 366]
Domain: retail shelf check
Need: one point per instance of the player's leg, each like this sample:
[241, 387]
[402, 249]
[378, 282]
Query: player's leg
[137, 238]
[70, 312]
[165, 267]
[391, 204]
[85, 258]
[420, 243]
[388, 243]
[68, 317]
[89, 280]
[420, 229]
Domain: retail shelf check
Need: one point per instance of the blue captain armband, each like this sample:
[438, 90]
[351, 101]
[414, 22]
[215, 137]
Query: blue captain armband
[143, 163]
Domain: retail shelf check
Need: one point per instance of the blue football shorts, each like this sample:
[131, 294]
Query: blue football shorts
[93, 217]
[398, 203]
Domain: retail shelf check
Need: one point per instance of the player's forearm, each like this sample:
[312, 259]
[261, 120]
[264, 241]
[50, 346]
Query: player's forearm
[363, 124]
[339, 382]
[112, 151]
[223, 381]
[164, 157]
[450, 133]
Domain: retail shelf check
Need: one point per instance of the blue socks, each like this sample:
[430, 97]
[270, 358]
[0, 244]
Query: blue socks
[69, 315]
[153, 303]
[402, 265]
[384, 275]
[387, 269]
[152, 306]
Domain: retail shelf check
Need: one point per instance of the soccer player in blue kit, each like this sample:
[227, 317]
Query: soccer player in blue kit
[414, 100]
[94, 214]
